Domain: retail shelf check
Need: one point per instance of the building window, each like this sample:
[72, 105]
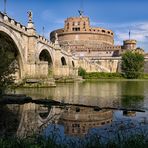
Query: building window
[67, 25]
[73, 64]
[84, 25]
[76, 29]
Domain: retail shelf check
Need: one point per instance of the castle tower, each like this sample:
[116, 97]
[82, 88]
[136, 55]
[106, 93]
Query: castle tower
[129, 44]
[78, 34]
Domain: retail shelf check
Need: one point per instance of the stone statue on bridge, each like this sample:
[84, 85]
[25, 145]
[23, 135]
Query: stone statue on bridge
[30, 14]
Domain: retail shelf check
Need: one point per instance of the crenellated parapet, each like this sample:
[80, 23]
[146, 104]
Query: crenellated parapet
[12, 23]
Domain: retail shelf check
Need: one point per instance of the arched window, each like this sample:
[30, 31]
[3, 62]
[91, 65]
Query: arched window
[63, 61]
[73, 64]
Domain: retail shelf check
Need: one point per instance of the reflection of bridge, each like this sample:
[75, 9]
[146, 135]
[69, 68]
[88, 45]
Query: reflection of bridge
[76, 120]
[35, 118]
[32, 119]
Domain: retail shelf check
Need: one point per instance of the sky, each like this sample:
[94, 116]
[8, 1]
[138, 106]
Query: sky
[118, 15]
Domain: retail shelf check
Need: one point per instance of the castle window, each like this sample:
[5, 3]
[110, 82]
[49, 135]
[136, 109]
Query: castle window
[84, 25]
[103, 31]
[78, 23]
[76, 29]
[102, 123]
[111, 33]
[73, 23]
[108, 121]
[108, 32]
[67, 25]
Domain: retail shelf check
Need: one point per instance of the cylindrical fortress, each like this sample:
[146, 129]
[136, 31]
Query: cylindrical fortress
[78, 32]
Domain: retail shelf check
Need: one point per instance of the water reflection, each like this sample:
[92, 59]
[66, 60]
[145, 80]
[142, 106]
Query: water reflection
[78, 120]
[102, 93]
[28, 119]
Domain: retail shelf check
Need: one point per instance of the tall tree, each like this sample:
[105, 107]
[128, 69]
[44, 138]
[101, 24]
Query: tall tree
[132, 64]
[7, 67]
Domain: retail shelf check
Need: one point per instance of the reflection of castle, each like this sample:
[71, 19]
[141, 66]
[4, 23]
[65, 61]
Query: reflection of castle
[33, 119]
[78, 120]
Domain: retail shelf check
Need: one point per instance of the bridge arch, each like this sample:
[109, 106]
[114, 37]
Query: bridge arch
[9, 36]
[45, 56]
[63, 61]
[44, 48]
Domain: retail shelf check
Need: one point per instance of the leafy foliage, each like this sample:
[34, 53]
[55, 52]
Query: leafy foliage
[132, 64]
[81, 72]
[7, 67]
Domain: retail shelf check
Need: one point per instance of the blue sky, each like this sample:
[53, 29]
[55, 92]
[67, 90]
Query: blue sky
[117, 15]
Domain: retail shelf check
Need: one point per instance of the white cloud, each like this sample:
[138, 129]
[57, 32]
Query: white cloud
[138, 31]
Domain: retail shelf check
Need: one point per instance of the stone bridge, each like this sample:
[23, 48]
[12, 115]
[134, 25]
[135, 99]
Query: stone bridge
[36, 56]
[39, 58]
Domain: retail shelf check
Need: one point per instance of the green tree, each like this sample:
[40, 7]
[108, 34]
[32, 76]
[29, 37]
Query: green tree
[7, 67]
[132, 64]
[81, 72]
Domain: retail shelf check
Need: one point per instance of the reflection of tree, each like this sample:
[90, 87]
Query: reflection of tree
[9, 121]
[132, 94]
[132, 101]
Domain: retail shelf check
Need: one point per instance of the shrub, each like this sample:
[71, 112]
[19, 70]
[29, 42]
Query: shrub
[132, 64]
[81, 72]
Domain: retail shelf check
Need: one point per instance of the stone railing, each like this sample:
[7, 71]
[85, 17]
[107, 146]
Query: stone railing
[45, 41]
[12, 23]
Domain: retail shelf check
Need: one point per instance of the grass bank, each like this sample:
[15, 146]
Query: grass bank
[102, 75]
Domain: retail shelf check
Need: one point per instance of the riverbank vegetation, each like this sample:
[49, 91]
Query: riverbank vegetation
[7, 66]
[132, 65]
[136, 141]
[105, 75]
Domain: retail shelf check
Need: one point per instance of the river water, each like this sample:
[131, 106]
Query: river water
[78, 121]
[113, 93]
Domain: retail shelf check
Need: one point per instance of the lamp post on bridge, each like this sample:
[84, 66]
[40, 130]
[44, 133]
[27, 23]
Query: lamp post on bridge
[5, 1]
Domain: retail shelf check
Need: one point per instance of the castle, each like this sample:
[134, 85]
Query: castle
[92, 43]
[76, 45]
